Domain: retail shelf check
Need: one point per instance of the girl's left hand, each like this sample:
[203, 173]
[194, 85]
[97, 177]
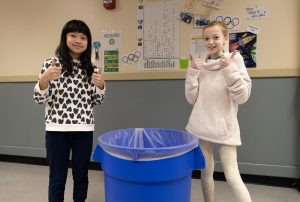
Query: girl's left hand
[97, 79]
[225, 61]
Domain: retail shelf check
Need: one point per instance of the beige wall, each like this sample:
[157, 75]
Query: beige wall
[30, 32]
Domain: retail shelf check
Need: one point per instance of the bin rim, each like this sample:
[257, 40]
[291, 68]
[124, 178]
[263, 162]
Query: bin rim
[194, 141]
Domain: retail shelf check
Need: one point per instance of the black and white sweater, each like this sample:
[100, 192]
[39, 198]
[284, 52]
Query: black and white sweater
[69, 100]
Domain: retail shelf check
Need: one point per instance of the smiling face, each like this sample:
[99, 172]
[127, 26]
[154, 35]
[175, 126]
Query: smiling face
[214, 40]
[77, 44]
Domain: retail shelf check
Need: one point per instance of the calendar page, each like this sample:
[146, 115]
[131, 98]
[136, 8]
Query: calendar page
[158, 35]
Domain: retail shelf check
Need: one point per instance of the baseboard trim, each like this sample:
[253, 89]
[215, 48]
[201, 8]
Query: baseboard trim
[257, 179]
[219, 176]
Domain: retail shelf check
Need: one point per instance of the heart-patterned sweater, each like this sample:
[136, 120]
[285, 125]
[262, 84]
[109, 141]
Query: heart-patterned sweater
[69, 100]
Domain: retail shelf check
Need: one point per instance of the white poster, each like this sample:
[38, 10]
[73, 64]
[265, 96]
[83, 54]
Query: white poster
[256, 12]
[252, 28]
[197, 48]
[112, 40]
[158, 35]
[213, 3]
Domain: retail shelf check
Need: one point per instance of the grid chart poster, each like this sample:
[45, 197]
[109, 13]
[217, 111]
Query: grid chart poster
[158, 35]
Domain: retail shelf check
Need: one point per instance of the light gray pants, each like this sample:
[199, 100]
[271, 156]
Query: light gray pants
[228, 156]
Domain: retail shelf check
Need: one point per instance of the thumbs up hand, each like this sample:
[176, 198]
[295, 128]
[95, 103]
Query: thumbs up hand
[52, 73]
[194, 64]
[225, 61]
[55, 72]
[97, 78]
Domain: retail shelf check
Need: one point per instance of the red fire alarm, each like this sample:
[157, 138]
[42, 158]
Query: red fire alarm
[109, 4]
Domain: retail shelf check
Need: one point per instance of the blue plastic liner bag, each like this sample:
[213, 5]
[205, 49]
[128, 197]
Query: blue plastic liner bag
[148, 164]
[141, 144]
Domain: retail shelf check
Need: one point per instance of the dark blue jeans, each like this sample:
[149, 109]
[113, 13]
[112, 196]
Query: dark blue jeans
[59, 145]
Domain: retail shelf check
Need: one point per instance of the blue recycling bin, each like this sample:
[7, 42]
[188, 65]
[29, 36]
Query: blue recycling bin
[148, 164]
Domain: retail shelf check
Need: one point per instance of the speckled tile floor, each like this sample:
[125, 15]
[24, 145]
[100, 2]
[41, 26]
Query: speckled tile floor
[28, 183]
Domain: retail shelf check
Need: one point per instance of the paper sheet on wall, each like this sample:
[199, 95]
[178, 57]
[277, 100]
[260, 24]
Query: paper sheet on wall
[256, 12]
[213, 3]
[252, 28]
[158, 35]
[112, 40]
[197, 49]
[111, 60]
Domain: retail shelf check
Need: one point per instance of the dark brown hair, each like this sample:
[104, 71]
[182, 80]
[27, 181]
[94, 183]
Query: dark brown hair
[62, 51]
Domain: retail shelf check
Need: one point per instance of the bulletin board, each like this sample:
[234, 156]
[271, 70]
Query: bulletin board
[30, 33]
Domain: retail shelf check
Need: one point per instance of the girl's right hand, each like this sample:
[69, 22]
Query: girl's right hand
[194, 64]
[52, 73]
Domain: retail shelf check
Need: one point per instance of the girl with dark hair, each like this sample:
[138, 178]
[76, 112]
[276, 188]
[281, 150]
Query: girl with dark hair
[70, 86]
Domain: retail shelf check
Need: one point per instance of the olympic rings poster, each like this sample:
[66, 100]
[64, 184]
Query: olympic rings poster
[131, 58]
[232, 22]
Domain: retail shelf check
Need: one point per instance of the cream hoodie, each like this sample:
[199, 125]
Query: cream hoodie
[216, 94]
